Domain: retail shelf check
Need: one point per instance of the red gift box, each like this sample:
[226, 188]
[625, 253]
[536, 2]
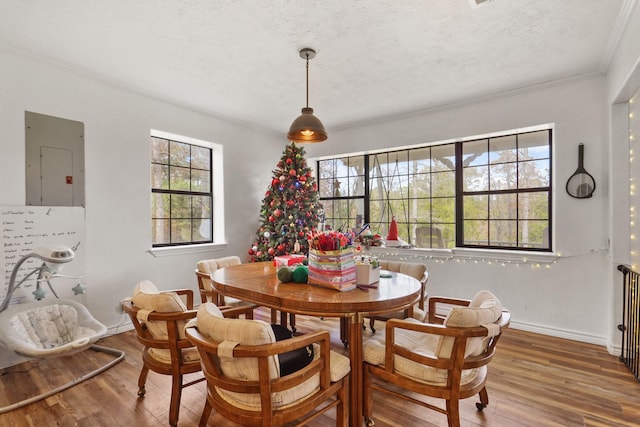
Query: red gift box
[286, 260]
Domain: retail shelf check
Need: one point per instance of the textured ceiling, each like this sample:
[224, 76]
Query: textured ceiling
[239, 59]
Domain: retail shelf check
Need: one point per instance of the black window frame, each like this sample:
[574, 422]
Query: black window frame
[460, 193]
[180, 193]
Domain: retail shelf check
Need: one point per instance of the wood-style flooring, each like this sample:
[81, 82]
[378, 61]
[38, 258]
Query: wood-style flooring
[534, 380]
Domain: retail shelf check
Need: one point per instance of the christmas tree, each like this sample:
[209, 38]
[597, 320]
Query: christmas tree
[289, 209]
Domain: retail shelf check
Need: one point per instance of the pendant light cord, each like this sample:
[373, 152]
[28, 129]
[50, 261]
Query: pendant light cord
[307, 80]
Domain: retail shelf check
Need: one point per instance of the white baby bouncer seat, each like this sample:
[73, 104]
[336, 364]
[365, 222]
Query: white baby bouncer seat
[52, 328]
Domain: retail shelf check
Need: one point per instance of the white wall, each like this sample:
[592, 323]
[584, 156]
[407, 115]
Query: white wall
[117, 125]
[567, 298]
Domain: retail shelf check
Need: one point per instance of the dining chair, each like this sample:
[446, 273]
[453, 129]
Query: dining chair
[159, 319]
[206, 267]
[250, 377]
[445, 358]
[417, 271]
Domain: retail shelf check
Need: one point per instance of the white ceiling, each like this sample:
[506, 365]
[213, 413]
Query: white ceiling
[239, 59]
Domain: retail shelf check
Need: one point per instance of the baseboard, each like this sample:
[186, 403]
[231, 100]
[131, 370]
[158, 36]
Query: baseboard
[566, 334]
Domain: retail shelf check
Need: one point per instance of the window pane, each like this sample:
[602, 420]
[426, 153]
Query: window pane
[200, 157]
[503, 233]
[474, 153]
[200, 181]
[180, 154]
[421, 209]
[443, 184]
[476, 207]
[448, 235]
[429, 236]
[201, 206]
[503, 176]
[160, 204]
[443, 158]
[160, 231]
[534, 234]
[476, 232]
[443, 209]
[534, 174]
[420, 160]
[180, 230]
[159, 151]
[502, 149]
[503, 206]
[201, 230]
[533, 205]
[180, 178]
[533, 145]
[476, 178]
[159, 177]
[180, 206]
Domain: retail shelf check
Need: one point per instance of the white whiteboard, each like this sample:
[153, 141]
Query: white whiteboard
[23, 228]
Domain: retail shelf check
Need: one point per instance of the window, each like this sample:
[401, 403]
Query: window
[493, 192]
[182, 190]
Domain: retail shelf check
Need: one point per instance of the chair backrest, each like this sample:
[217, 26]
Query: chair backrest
[204, 269]
[484, 311]
[159, 319]
[416, 270]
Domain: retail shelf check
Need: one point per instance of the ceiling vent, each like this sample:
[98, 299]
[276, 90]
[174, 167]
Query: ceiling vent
[477, 3]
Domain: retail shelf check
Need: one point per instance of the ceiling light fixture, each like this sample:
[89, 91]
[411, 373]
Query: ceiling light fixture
[307, 127]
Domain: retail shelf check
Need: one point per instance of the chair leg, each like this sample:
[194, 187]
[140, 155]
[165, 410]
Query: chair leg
[342, 418]
[484, 399]
[205, 413]
[176, 394]
[368, 397]
[292, 322]
[142, 380]
[344, 331]
[453, 412]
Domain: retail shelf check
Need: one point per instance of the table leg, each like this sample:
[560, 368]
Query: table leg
[355, 354]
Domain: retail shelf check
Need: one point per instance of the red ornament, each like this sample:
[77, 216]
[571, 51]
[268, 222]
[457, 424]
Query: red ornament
[302, 178]
[301, 234]
[271, 251]
[292, 172]
[281, 247]
[259, 254]
[267, 194]
[275, 182]
[289, 161]
[271, 218]
[251, 252]
[277, 212]
[282, 178]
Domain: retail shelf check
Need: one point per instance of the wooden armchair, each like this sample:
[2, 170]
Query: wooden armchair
[245, 372]
[159, 319]
[415, 270]
[445, 358]
[206, 267]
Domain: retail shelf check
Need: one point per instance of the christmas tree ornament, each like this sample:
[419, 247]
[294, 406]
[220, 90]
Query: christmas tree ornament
[282, 178]
[285, 274]
[300, 274]
[266, 234]
[271, 251]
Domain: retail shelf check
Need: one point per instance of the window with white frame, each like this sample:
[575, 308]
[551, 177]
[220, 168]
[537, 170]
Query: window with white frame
[492, 192]
[183, 193]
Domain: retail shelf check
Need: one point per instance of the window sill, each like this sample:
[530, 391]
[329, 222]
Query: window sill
[466, 254]
[187, 249]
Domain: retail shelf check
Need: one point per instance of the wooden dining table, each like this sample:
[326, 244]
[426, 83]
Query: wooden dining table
[258, 283]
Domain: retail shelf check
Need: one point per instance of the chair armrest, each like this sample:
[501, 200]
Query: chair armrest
[434, 316]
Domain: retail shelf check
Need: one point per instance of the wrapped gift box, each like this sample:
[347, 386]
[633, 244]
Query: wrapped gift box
[332, 269]
[287, 260]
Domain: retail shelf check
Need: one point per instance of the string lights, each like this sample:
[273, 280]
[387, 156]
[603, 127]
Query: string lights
[634, 129]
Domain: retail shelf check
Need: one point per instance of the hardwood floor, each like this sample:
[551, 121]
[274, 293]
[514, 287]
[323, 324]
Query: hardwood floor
[534, 380]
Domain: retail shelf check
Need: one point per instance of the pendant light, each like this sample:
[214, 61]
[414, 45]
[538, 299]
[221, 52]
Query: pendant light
[307, 127]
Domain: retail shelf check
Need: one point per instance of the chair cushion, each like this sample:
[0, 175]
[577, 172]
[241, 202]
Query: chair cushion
[483, 309]
[417, 342]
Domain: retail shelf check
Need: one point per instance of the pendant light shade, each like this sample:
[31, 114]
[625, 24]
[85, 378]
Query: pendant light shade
[307, 127]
